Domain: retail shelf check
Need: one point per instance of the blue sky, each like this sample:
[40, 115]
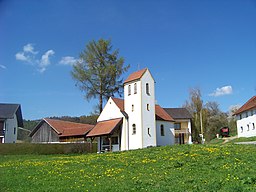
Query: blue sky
[185, 44]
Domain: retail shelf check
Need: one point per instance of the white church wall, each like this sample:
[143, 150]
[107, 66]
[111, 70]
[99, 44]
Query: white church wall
[148, 110]
[110, 111]
[167, 138]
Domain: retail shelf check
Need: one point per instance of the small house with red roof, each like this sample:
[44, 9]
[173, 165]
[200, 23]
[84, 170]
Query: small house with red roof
[135, 121]
[246, 119]
[54, 131]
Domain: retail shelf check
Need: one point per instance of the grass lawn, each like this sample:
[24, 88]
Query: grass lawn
[177, 168]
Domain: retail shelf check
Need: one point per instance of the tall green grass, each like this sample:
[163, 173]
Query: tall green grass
[177, 168]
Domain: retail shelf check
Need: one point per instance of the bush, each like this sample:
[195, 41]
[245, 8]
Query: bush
[45, 149]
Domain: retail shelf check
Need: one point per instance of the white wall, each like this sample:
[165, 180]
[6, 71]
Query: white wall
[245, 122]
[148, 117]
[110, 111]
[135, 116]
[141, 117]
[168, 138]
[10, 126]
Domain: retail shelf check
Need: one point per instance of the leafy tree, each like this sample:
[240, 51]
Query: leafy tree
[206, 118]
[215, 119]
[98, 71]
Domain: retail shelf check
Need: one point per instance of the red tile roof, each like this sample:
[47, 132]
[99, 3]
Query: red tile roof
[136, 75]
[119, 103]
[161, 114]
[250, 104]
[65, 128]
[105, 127]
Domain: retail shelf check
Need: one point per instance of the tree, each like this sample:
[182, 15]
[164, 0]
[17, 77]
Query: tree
[206, 118]
[195, 106]
[98, 71]
[215, 119]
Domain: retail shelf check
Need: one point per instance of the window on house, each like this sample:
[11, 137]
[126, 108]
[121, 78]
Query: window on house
[148, 107]
[251, 112]
[240, 116]
[246, 114]
[135, 88]
[253, 126]
[162, 130]
[242, 129]
[133, 129]
[132, 108]
[248, 127]
[147, 89]
[129, 89]
[177, 126]
[14, 130]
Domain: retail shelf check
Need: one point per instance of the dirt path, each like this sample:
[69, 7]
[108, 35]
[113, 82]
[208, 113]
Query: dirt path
[227, 139]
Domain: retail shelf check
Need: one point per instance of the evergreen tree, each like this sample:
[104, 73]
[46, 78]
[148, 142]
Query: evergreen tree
[98, 71]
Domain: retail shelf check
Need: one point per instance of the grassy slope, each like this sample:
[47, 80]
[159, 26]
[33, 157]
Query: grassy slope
[178, 168]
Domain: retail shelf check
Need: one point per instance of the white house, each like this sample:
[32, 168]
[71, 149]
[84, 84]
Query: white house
[135, 121]
[10, 121]
[246, 119]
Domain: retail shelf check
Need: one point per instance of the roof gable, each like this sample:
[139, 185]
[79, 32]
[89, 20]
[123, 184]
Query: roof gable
[136, 75]
[250, 104]
[161, 114]
[7, 111]
[119, 103]
[178, 113]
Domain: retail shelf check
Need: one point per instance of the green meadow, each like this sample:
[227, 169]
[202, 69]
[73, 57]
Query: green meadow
[176, 168]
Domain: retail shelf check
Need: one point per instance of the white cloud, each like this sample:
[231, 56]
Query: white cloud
[28, 55]
[45, 60]
[2, 67]
[67, 60]
[22, 57]
[226, 90]
[29, 48]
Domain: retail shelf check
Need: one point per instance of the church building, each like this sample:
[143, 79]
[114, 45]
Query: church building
[135, 121]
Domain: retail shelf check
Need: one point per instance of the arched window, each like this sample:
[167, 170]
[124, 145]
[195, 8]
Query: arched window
[147, 89]
[148, 107]
[132, 108]
[135, 88]
[162, 130]
[129, 89]
[133, 129]
[149, 132]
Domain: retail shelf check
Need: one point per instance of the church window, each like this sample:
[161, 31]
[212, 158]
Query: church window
[132, 108]
[147, 89]
[148, 107]
[149, 132]
[133, 129]
[253, 126]
[162, 130]
[135, 88]
[248, 127]
[242, 129]
[129, 89]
